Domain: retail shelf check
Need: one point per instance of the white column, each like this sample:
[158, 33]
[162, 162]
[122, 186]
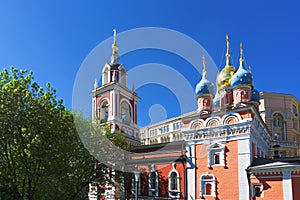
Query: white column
[94, 107]
[243, 162]
[191, 172]
[287, 185]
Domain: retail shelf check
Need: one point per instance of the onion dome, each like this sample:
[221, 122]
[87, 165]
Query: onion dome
[242, 75]
[224, 77]
[216, 101]
[255, 96]
[204, 86]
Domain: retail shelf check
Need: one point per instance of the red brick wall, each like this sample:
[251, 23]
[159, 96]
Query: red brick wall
[272, 184]
[226, 178]
[296, 185]
[163, 171]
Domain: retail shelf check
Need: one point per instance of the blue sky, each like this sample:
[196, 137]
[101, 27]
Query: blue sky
[52, 38]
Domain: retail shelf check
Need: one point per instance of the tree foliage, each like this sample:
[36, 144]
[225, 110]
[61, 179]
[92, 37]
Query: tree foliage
[41, 154]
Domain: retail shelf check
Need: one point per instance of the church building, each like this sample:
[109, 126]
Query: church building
[238, 144]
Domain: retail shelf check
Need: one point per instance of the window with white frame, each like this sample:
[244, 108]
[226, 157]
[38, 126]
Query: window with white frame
[177, 125]
[125, 112]
[153, 183]
[207, 185]
[165, 129]
[153, 132]
[257, 190]
[216, 155]
[102, 111]
[174, 181]
[277, 120]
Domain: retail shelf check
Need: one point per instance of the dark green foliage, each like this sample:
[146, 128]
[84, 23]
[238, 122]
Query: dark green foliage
[41, 154]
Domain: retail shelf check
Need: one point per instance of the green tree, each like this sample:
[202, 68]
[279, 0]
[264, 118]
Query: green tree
[103, 145]
[41, 154]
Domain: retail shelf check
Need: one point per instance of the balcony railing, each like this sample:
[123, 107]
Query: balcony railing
[284, 143]
[151, 198]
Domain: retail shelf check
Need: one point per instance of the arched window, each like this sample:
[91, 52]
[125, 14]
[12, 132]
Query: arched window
[206, 103]
[123, 76]
[133, 185]
[125, 112]
[278, 120]
[153, 180]
[105, 76]
[278, 127]
[174, 181]
[153, 183]
[207, 185]
[103, 113]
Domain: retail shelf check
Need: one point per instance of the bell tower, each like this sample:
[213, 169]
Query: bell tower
[113, 102]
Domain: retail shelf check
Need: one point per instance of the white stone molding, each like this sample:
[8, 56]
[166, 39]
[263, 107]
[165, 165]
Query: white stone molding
[193, 124]
[236, 116]
[210, 121]
[207, 179]
[174, 193]
[216, 149]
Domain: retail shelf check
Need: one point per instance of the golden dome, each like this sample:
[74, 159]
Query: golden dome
[224, 77]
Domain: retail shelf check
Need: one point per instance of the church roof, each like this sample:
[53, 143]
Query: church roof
[267, 165]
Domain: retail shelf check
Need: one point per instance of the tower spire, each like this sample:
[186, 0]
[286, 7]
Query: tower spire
[227, 50]
[115, 56]
[114, 45]
[241, 53]
[204, 66]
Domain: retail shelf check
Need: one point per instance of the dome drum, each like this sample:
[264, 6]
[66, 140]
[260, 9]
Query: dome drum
[205, 103]
[242, 94]
[226, 97]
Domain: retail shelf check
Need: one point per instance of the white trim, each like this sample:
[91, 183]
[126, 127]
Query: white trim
[191, 171]
[99, 105]
[212, 151]
[216, 119]
[150, 190]
[131, 110]
[287, 185]
[177, 180]
[193, 123]
[243, 162]
[235, 116]
[138, 185]
[211, 181]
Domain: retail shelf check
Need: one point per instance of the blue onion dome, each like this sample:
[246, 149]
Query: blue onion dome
[216, 101]
[224, 77]
[242, 75]
[204, 86]
[255, 96]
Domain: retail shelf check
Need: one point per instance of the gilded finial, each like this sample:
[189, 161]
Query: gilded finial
[114, 56]
[204, 65]
[115, 46]
[241, 52]
[227, 50]
[227, 42]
